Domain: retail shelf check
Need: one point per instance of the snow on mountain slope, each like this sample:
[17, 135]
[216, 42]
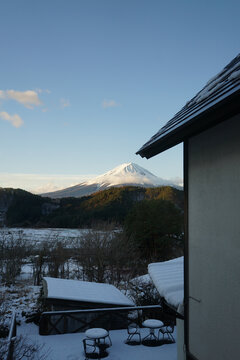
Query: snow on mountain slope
[128, 173]
[122, 175]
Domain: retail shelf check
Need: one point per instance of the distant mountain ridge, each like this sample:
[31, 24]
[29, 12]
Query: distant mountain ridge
[127, 174]
[21, 208]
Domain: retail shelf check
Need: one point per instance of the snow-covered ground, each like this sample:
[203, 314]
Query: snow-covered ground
[23, 298]
[37, 236]
[46, 234]
[70, 347]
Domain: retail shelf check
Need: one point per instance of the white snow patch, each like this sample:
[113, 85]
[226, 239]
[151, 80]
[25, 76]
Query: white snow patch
[46, 234]
[234, 75]
[19, 298]
[85, 291]
[167, 276]
[216, 83]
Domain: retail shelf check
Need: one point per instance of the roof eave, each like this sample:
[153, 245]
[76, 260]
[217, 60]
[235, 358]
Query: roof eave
[221, 111]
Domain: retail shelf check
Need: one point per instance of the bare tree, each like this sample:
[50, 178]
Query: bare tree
[105, 256]
[91, 255]
[143, 292]
[24, 348]
[57, 258]
[123, 260]
[51, 258]
[39, 261]
[13, 251]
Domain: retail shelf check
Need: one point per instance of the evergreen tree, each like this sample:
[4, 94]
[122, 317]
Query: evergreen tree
[154, 225]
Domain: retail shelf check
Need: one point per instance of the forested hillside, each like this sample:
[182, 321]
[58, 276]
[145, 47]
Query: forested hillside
[21, 208]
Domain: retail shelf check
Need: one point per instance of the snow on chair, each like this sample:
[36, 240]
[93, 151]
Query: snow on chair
[168, 330]
[133, 331]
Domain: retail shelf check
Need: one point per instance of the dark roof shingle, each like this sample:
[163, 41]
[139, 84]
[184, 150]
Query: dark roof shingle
[198, 113]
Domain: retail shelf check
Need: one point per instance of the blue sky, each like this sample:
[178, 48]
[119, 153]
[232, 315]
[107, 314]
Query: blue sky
[84, 84]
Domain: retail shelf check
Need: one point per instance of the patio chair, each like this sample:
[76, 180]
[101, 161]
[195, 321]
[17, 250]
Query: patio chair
[103, 344]
[167, 330]
[133, 331]
[91, 350]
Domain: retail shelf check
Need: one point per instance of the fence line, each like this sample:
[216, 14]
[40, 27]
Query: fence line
[72, 321]
[123, 308]
[11, 337]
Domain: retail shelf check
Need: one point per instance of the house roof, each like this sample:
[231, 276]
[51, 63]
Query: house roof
[219, 99]
[84, 291]
[167, 276]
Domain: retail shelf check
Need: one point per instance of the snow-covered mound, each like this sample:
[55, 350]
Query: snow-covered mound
[122, 175]
[167, 276]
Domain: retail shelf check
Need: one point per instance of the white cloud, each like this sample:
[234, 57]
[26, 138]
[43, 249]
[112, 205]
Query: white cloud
[28, 98]
[177, 181]
[42, 189]
[40, 91]
[109, 103]
[64, 103]
[41, 183]
[15, 119]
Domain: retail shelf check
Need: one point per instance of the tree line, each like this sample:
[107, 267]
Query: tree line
[112, 205]
[152, 231]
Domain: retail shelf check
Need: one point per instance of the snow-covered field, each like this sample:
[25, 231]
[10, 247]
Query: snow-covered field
[46, 234]
[70, 347]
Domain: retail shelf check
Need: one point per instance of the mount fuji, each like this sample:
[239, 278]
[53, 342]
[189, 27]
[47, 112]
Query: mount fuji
[127, 174]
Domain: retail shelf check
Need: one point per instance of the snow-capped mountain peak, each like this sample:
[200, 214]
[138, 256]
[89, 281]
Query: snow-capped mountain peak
[127, 173]
[122, 175]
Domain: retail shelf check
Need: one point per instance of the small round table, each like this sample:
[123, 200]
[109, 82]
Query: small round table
[97, 334]
[152, 324]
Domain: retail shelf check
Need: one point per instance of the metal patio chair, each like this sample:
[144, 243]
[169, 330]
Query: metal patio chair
[167, 330]
[91, 350]
[133, 332]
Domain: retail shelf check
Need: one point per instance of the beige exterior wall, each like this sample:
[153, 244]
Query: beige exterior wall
[181, 353]
[214, 242]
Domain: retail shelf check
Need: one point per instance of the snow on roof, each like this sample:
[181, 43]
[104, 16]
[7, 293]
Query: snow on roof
[85, 291]
[167, 276]
[222, 86]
